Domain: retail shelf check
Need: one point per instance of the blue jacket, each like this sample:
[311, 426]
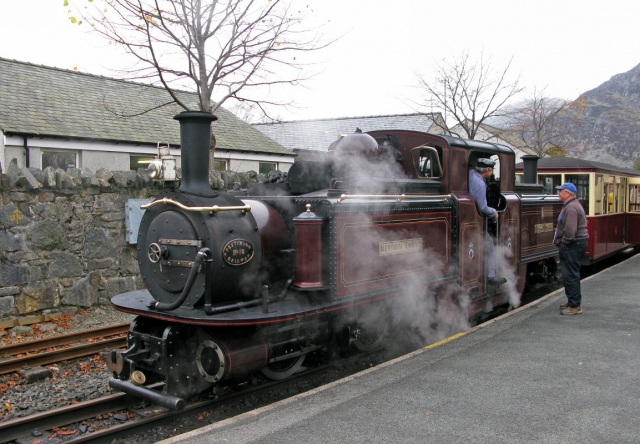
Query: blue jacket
[478, 189]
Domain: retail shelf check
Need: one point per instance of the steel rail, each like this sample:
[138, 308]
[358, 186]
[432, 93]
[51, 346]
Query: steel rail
[59, 340]
[61, 354]
[19, 427]
[76, 413]
[61, 349]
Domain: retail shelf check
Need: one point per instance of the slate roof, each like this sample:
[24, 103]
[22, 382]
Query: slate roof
[46, 101]
[511, 137]
[318, 134]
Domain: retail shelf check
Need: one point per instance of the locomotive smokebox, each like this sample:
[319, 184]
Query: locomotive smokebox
[195, 137]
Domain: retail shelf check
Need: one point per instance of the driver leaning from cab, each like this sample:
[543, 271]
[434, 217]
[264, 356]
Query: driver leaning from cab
[478, 189]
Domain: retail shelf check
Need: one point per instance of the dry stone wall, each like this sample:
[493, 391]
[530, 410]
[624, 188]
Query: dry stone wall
[62, 236]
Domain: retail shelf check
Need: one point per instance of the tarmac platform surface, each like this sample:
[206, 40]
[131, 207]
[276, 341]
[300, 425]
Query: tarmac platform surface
[528, 376]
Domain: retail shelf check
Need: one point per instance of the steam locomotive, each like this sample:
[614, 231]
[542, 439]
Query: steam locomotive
[239, 284]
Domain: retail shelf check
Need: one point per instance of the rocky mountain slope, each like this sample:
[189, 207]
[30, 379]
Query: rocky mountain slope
[605, 123]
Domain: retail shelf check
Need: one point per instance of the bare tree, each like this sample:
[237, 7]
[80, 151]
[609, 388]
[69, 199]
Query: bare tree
[250, 112]
[468, 92]
[537, 126]
[221, 48]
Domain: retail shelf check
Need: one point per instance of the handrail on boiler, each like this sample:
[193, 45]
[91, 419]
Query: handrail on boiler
[212, 209]
[398, 197]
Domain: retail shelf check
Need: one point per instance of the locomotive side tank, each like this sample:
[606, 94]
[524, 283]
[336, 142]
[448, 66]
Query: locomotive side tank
[258, 283]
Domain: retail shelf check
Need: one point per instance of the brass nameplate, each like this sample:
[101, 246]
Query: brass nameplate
[543, 228]
[401, 246]
[237, 252]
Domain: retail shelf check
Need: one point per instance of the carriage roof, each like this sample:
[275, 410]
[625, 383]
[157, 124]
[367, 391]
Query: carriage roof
[570, 163]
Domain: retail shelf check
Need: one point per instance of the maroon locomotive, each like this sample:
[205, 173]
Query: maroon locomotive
[241, 284]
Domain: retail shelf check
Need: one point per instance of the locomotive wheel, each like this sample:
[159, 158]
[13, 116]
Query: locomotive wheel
[370, 336]
[280, 370]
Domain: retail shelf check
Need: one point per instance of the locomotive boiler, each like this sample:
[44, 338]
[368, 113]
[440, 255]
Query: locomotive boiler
[238, 284]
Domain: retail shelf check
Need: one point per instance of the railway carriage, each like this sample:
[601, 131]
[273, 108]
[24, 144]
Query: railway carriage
[610, 197]
[261, 281]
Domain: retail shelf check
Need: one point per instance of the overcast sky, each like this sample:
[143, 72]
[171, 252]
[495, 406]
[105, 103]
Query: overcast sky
[569, 46]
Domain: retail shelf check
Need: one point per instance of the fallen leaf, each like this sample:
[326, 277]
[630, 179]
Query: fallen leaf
[66, 432]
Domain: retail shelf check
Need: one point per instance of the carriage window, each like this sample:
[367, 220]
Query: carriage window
[599, 194]
[549, 182]
[634, 198]
[608, 195]
[621, 201]
[427, 162]
[610, 190]
[581, 181]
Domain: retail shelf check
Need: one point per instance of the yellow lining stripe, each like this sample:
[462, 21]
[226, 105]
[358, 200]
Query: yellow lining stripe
[444, 341]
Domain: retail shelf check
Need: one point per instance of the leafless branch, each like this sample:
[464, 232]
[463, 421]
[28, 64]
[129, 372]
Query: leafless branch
[468, 92]
[536, 125]
[220, 49]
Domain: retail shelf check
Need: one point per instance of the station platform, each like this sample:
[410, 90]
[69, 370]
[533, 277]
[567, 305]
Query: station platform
[531, 375]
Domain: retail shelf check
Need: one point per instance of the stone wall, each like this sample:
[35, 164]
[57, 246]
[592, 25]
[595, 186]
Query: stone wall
[62, 236]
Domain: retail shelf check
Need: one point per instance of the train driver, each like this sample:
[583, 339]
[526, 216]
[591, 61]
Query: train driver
[478, 174]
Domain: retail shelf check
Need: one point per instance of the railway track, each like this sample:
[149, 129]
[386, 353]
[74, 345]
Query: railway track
[62, 423]
[61, 348]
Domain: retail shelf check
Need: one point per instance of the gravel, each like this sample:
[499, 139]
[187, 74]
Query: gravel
[73, 320]
[72, 381]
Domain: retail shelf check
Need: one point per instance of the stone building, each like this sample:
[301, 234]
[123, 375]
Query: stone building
[60, 118]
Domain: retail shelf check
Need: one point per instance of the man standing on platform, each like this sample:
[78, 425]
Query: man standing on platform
[571, 238]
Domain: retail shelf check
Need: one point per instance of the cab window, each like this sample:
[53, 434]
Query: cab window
[427, 162]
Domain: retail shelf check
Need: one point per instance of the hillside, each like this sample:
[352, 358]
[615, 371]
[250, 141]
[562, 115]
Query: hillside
[606, 124]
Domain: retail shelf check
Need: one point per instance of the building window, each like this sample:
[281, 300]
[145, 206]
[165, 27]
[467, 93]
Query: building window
[136, 162]
[267, 167]
[59, 159]
[219, 165]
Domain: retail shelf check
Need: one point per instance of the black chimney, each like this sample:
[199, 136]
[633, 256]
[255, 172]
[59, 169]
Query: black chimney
[195, 139]
[530, 166]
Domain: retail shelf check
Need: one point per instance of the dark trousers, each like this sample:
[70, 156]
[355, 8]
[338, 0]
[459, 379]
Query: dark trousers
[570, 258]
